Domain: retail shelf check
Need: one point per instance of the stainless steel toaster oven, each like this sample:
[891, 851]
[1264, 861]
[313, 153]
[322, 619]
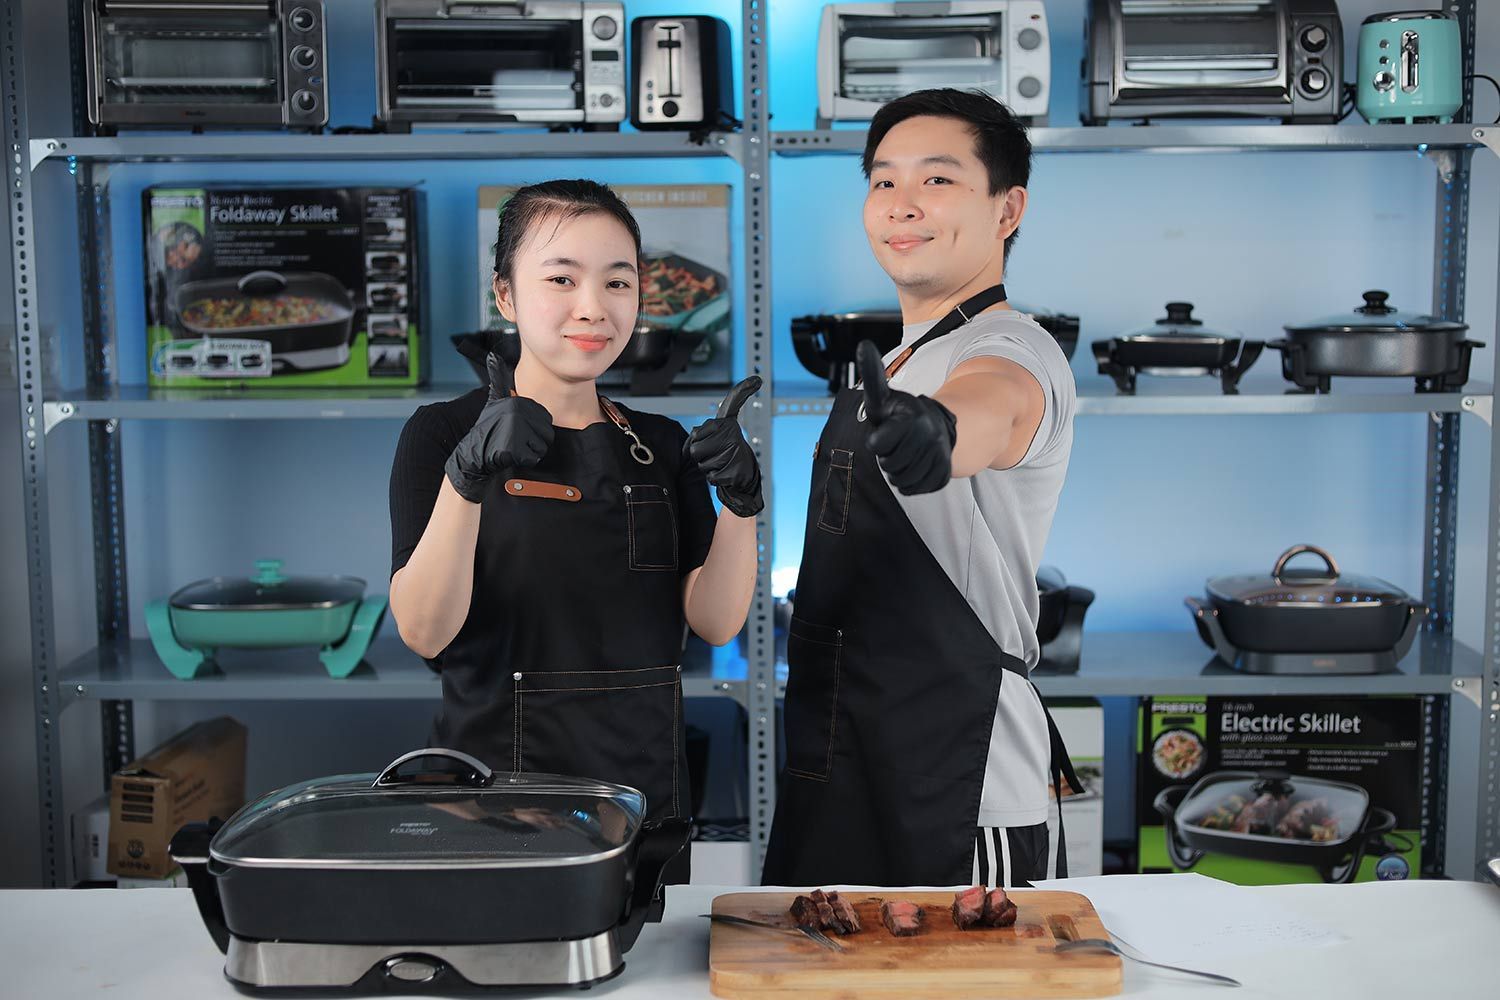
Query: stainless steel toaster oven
[539, 62]
[1148, 59]
[205, 63]
[870, 53]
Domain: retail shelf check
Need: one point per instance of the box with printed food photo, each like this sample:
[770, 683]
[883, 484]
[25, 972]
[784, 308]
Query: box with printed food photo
[1279, 789]
[684, 329]
[282, 286]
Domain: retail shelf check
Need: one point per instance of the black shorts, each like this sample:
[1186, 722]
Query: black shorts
[1008, 857]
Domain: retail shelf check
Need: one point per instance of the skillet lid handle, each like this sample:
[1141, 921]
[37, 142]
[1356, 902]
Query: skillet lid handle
[1274, 780]
[477, 775]
[263, 283]
[1297, 550]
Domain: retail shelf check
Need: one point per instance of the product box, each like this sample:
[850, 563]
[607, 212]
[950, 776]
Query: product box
[685, 266]
[1279, 789]
[283, 287]
[88, 833]
[1080, 722]
[175, 879]
[196, 775]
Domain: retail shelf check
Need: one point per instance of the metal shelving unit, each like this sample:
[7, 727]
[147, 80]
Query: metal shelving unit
[120, 670]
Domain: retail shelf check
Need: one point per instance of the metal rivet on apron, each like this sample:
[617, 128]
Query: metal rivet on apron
[627, 489]
[570, 493]
[516, 486]
[516, 676]
[665, 492]
[860, 416]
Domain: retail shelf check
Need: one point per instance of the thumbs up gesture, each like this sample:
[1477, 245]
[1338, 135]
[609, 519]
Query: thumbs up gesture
[912, 436]
[719, 447]
[512, 432]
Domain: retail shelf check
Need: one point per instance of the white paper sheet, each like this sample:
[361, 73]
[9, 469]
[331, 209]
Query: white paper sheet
[1193, 920]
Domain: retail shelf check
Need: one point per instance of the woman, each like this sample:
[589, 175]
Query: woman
[549, 544]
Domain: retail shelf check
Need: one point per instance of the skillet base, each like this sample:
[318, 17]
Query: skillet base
[279, 968]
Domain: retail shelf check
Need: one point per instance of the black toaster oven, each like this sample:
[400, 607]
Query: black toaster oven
[205, 63]
[1146, 59]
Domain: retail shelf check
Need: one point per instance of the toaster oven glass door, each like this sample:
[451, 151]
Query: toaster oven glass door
[487, 67]
[1193, 46]
[885, 57]
[178, 59]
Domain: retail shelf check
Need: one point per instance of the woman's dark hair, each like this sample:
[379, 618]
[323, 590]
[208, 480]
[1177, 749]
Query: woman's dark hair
[1000, 139]
[560, 200]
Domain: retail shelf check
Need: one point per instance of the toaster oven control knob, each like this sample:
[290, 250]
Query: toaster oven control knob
[604, 28]
[304, 57]
[305, 101]
[302, 19]
[1029, 39]
[1315, 38]
[606, 100]
[1029, 86]
[1314, 81]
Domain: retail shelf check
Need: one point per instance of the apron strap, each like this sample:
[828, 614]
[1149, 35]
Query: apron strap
[957, 317]
[1062, 769]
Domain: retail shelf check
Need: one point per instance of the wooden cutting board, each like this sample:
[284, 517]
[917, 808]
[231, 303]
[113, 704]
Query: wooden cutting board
[941, 961]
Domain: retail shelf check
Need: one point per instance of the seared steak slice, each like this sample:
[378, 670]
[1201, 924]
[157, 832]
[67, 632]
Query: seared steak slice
[805, 912]
[825, 911]
[845, 920]
[968, 907]
[901, 918]
[999, 909]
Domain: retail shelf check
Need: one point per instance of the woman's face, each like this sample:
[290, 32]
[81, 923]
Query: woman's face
[574, 295]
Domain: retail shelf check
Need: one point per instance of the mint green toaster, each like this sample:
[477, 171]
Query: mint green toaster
[1410, 67]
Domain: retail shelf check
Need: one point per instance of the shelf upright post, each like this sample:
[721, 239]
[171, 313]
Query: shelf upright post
[755, 162]
[96, 279]
[21, 229]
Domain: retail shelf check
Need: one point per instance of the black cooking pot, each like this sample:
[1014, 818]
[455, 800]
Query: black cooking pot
[294, 311]
[1059, 625]
[1377, 340]
[826, 344]
[1273, 816]
[454, 867]
[1307, 620]
[1176, 344]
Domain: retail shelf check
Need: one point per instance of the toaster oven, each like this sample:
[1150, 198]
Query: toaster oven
[1148, 59]
[195, 63]
[870, 53]
[539, 62]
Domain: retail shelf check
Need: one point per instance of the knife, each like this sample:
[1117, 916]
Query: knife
[815, 936]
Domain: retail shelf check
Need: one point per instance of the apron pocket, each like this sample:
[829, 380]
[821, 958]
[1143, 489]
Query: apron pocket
[834, 517]
[623, 726]
[652, 526]
[814, 653]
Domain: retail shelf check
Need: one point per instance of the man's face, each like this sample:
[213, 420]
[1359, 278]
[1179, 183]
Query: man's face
[928, 214]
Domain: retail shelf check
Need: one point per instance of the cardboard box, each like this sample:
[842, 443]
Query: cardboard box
[175, 879]
[196, 775]
[1080, 721]
[684, 242]
[1375, 743]
[275, 287]
[88, 830]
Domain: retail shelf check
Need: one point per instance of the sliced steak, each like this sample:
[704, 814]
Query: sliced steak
[825, 911]
[805, 912]
[845, 919]
[968, 907]
[999, 909]
[901, 918]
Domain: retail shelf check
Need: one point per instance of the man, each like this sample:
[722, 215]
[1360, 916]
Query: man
[918, 753]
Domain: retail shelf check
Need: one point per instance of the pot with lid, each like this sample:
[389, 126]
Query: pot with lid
[826, 343]
[1307, 620]
[1377, 340]
[266, 611]
[1272, 815]
[444, 876]
[1177, 344]
[1059, 625]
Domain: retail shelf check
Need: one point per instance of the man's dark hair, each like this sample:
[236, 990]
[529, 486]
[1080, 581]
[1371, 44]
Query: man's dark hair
[1000, 139]
[559, 200]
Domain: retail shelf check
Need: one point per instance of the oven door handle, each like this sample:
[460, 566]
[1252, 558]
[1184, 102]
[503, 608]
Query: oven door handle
[522, 7]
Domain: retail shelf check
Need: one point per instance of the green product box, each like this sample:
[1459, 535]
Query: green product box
[283, 287]
[1281, 789]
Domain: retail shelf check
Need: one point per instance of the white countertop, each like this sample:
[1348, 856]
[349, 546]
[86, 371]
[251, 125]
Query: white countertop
[1406, 940]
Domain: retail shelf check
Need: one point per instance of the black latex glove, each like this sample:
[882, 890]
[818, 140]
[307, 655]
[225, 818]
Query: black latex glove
[912, 436]
[511, 432]
[726, 458]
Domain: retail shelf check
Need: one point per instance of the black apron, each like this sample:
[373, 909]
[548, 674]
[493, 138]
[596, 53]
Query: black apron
[569, 663]
[893, 683]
